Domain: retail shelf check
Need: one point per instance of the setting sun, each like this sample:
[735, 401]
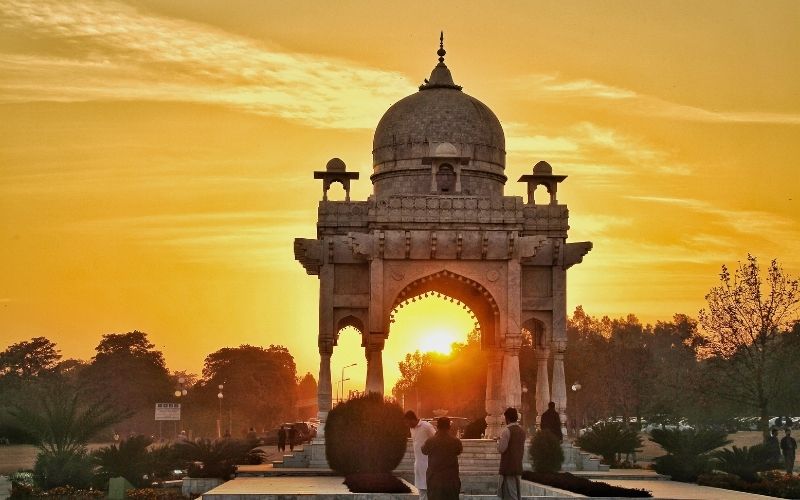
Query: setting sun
[437, 341]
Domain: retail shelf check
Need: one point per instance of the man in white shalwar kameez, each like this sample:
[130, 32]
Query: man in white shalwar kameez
[421, 431]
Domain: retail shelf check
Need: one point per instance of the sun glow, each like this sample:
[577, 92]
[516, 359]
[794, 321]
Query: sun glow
[437, 341]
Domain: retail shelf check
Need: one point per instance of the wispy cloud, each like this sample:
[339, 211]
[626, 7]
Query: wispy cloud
[251, 239]
[553, 87]
[92, 50]
[761, 225]
[598, 153]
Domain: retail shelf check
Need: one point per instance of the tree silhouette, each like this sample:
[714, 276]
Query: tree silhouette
[746, 318]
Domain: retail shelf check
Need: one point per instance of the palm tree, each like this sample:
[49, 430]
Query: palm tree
[61, 422]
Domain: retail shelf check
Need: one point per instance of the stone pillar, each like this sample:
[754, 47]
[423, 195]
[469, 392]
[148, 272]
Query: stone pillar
[324, 386]
[511, 379]
[374, 354]
[560, 339]
[559, 383]
[494, 393]
[542, 383]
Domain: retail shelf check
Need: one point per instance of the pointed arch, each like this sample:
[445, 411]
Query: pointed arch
[469, 293]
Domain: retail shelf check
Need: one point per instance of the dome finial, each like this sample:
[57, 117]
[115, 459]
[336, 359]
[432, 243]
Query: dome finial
[440, 76]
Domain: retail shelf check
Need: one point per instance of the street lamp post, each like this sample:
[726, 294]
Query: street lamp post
[180, 392]
[342, 380]
[578, 418]
[219, 415]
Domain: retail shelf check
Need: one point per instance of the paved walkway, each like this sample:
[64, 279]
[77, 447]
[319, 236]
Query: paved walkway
[283, 485]
[333, 485]
[677, 490]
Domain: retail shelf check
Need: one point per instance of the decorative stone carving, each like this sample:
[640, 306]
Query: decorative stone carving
[309, 254]
[575, 253]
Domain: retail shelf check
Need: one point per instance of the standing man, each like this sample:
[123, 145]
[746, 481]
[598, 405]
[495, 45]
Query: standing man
[292, 437]
[443, 450]
[511, 445]
[773, 447]
[421, 431]
[789, 448]
[282, 439]
[551, 421]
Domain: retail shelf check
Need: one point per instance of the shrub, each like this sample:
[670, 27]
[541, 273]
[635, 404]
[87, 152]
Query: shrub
[71, 467]
[583, 486]
[609, 439]
[772, 483]
[161, 461]
[152, 494]
[687, 451]
[365, 434]
[129, 459]
[744, 462]
[546, 452]
[475, 429]
[215, 459]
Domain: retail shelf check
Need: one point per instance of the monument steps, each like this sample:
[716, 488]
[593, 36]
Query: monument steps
[298, 459]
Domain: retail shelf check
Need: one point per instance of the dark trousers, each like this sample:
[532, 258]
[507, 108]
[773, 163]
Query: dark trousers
[788, 458]
[443, 492]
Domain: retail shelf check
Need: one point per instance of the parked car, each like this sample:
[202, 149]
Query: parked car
[784, 422]
[304, 432]
[681, 425]
[457, 424]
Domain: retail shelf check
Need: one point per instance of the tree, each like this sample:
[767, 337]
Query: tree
[260, 383]
[129, 372]
[455, 382]
[62, 420]
[746, 318]
[410, 370]
[29, 359]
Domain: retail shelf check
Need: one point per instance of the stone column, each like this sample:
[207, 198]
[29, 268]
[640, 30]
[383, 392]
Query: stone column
[494, 393]
[324, 387]
[374, 354]
[559, 383]
[511, 378]
[542, 383]
[560, 340]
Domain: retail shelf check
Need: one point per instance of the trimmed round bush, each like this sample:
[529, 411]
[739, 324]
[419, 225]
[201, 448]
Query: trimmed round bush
[365, 434]
[546, 452]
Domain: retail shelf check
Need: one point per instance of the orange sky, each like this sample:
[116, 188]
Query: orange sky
[156, 155]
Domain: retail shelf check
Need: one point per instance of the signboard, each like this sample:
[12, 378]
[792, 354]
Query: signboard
[168, 411]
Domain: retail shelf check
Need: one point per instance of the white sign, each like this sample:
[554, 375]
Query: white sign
[168, 411]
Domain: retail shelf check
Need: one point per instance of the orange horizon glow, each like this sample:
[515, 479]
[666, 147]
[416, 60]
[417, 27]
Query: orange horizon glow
[156, 157]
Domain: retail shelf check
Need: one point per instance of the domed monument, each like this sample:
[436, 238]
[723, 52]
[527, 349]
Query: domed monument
[438, 221]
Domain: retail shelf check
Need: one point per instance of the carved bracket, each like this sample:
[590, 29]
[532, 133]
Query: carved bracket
[309, 254]
[575, 252]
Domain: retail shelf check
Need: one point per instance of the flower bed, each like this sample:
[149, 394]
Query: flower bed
[375, 482]
[583, 486]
